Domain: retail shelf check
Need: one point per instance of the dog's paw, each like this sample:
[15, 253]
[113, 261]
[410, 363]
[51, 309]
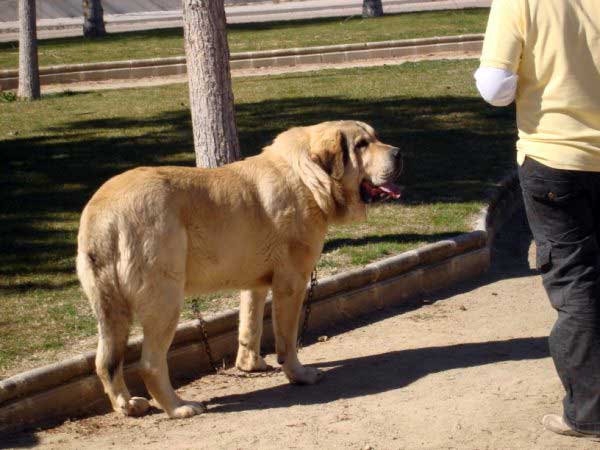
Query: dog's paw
[249, 361]
[188, 409]
[305, 375]
[134, 407]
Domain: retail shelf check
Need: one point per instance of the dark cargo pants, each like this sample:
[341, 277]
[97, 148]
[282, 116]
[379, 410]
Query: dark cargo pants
[563, 209]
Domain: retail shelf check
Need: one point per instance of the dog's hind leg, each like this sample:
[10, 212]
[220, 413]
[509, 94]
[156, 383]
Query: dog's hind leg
[252, 307]
[114, 320]
[159, 322]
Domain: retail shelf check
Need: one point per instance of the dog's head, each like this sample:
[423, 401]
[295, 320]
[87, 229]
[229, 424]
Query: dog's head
[347, 166]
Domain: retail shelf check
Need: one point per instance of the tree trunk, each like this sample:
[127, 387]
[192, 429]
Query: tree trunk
[211, 96]
[29, 75]
[93, 19]
[372, 8]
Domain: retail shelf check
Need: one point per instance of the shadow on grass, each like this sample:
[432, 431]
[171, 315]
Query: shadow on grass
[28, 286]
[399, 238]
[453, 150]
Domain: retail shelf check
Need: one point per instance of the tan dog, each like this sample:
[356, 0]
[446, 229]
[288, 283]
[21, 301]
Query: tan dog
[153, 234]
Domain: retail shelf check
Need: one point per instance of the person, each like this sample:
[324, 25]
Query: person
[545, 54]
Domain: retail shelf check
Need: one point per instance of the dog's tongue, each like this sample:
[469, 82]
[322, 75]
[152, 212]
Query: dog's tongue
[386, 190]
[391, 190]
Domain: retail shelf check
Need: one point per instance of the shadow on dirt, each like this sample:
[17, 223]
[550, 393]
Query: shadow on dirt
[333, 244]
[374, 374]
[21, 440]
[510, 259]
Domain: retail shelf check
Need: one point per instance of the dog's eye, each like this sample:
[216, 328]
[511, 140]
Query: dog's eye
[345, 153]
[362, 143]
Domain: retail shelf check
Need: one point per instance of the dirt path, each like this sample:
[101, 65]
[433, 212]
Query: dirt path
[469, 368]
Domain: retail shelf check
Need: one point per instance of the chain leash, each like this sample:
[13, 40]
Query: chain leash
[308, 307]
[206, 344]
[204, 333]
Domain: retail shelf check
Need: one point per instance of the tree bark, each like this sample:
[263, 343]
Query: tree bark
[372, 8]
[93, 19]
[29, 74]
[211, 95]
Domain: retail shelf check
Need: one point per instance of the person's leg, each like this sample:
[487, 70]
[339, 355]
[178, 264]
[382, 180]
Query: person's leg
[560, 209]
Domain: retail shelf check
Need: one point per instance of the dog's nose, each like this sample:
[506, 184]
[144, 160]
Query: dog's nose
[395, 151]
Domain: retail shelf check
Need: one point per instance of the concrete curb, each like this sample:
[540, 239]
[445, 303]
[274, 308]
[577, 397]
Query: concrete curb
[71, 389]
[330, 54]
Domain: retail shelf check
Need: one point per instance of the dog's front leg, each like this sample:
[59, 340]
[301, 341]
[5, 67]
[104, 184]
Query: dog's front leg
[288, 295]
[252, 307]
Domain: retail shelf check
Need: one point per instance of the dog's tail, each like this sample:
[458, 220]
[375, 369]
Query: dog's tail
[99, 280]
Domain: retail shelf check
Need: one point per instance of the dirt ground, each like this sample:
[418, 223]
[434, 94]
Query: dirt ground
[468, 368]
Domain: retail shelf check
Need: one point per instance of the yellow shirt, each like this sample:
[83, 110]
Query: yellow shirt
[554, 48]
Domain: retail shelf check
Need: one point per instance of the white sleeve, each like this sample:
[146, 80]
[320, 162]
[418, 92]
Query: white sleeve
[497, 86]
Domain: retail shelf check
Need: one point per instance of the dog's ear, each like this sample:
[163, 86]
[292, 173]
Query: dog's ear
[331, 153]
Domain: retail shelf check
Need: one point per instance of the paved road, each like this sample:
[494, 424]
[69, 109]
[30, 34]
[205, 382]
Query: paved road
[56, 9]
[254, 12]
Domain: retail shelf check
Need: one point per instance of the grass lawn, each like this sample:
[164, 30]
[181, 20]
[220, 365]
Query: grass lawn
[257, 36]
[56, 152]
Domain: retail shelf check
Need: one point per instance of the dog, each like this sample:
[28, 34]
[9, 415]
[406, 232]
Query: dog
[151, 235]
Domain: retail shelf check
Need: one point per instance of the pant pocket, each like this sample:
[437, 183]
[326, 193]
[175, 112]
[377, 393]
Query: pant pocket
[548, 268]
[560, 211]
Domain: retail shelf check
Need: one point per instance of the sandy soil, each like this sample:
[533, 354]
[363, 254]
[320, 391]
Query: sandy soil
[467, 368]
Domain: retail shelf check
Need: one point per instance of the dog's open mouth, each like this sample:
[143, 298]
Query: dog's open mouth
[371, 193]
